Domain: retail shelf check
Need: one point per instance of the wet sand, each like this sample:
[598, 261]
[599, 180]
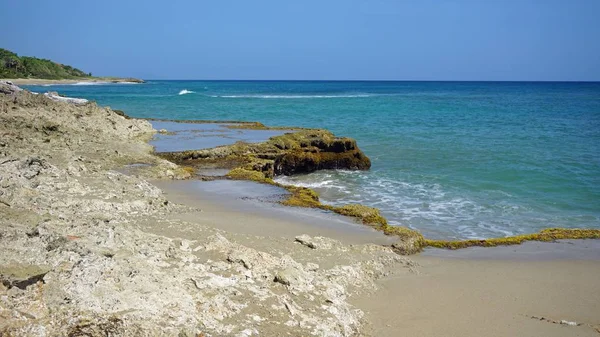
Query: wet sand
[249, 208]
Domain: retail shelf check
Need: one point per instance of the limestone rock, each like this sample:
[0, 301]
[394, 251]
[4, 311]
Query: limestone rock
[289, 276]
[22, 275]
[316, 242]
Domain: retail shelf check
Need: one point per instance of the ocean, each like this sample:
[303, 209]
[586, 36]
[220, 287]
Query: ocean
[454, 160]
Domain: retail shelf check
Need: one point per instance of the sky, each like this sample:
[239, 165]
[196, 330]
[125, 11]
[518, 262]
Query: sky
[488, 40]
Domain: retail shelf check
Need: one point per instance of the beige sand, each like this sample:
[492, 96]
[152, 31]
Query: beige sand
[245, 218]
[467, 297]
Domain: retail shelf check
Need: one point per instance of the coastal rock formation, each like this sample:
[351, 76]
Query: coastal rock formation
[303, 151]
[85, 250]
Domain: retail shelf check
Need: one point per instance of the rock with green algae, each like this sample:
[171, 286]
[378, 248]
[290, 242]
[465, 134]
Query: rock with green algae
[409, 241]
[303, 151]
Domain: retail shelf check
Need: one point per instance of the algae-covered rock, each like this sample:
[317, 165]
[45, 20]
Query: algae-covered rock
[309, 151]
[244, 174]
[368, 215]
[409, 241]
[303, 151]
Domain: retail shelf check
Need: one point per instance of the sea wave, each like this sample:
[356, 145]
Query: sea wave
[295, 96]
[65, 99]
[314, 184]
[426, 206]
[185, 92]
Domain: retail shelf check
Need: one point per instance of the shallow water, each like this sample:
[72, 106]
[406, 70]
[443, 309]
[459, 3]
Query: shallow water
[452, 159]
[197, 136]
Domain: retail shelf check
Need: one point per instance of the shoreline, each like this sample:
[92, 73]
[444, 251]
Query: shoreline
[308, 198]
[127, 255]
[99, 80]
[460, 293]
[241, 159]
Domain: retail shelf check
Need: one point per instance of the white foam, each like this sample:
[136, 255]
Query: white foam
[66, 99]
[185, 92]
[315, 184]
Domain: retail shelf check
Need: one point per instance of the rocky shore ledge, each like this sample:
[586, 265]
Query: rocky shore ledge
[76, 258]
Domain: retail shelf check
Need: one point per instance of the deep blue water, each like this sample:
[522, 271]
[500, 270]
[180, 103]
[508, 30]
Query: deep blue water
[452, 159]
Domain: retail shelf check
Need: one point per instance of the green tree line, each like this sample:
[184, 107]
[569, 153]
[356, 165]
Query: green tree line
[14, 66]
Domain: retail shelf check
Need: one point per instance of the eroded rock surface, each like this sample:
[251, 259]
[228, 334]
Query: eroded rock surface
[77, 257]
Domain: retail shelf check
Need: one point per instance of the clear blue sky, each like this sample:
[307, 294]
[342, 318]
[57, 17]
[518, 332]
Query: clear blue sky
[277, 39]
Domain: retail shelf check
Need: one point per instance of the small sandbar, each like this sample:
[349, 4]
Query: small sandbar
[197, 136]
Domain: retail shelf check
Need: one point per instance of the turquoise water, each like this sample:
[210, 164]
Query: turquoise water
[452, 159]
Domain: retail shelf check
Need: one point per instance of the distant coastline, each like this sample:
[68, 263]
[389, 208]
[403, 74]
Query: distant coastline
[27, 70]
[40, 81]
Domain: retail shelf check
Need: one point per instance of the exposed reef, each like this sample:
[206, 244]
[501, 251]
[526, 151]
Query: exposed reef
[303, 151]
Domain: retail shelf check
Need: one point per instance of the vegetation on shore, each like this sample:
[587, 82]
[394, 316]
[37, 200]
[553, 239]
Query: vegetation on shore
[14, 66]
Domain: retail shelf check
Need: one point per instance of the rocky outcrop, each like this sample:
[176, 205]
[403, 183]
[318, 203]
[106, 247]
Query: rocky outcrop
[303, 151]
[9, 88]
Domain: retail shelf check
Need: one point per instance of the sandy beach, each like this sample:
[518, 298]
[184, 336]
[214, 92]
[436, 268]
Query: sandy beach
[99, 236]
[493, 297]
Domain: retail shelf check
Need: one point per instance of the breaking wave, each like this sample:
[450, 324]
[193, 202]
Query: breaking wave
[185, 92]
